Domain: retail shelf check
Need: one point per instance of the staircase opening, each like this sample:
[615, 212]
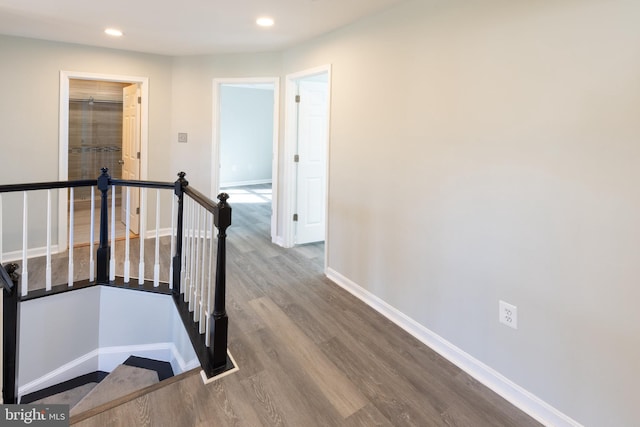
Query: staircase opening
[170, 288]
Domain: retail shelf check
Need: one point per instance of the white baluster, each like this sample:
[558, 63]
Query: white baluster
[127, 262]
[203, 286]
[71, 227]
[112, 261]
[47, 271]
[203, 281]
[92, 237]
[186, 249]
[156, 266]
[174, 200]
[25, 222]
[185, 246]
[192, 253]
[195, 282]
[183, 255]
[209, 283]
[1, 249]
[143, 223]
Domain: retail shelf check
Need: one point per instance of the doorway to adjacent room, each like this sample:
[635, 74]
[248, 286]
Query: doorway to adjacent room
[102, 124]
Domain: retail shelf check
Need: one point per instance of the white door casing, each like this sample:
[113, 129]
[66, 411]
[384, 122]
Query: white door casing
[311, 161]
[63, 136]
[215, 152]
[131, 153]
[290, 168]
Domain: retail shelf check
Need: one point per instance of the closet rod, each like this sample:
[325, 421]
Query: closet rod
[94, 101]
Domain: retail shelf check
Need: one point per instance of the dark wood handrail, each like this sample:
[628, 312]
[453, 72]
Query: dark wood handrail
[52, 185]
[141, 184]
[47, 185]
[202, 200]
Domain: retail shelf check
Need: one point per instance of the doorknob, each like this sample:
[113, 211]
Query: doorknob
[121, 162]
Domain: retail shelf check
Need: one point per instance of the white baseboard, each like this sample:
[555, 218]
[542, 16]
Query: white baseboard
[278, 240]
[80, 366]
[107, 359]
[31, 253]
[42, 251]
[513, 393]
[243, 183]
[111, 357]
[151, 234]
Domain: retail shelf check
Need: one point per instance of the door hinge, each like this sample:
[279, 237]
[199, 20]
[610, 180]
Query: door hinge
[137, 211]
[139, 100]
[296, 158]
[295, 217]
[138, 155]
[298, 98]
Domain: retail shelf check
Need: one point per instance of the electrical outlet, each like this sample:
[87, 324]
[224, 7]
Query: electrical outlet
[508, 314]
[182, 137]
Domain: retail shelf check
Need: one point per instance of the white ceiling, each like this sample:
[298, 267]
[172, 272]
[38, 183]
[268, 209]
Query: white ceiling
[186, 27]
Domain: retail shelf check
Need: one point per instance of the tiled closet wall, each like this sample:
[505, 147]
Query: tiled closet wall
[95, 130]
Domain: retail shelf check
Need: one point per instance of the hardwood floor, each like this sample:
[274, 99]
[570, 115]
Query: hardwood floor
[82, 223]
[310, 354]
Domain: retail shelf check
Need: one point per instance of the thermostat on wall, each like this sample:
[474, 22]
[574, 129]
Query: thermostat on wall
[182, 137]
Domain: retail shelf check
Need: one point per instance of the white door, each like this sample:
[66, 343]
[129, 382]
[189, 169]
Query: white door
[311, 161]
[131, 153]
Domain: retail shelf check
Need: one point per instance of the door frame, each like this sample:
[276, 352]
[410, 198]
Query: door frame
[63, 136]
[290, 143]
[215, 151]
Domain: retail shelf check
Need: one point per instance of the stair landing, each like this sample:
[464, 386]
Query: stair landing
[92, 390]
[122, 381]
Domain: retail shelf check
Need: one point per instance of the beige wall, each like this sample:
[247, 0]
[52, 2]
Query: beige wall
[479, 151]
[489, 150]
[192, 107]
[30, 86]
[29, 82]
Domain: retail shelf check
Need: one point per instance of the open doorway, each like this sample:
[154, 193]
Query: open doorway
[306, 154]
[245, 147]
[95, 141]
[94, 130]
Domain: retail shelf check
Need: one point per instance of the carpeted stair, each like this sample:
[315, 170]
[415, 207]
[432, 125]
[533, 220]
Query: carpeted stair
[92, 390]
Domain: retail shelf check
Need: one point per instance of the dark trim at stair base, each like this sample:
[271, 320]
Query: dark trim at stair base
[92, 377]
[57, 289]
[198, 340]
[163, 369]
[147, 286]
[163, 288]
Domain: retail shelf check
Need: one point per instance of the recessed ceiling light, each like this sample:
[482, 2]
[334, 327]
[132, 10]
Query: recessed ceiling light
[113, 32]
[264, 21]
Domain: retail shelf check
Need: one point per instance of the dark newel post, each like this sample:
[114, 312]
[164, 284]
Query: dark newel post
[180, 184]
[102, 257]
[10, 318]
[219, 319]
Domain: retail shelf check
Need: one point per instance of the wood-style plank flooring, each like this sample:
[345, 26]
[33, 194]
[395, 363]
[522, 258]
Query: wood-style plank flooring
[310, 354]
[82, 221]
